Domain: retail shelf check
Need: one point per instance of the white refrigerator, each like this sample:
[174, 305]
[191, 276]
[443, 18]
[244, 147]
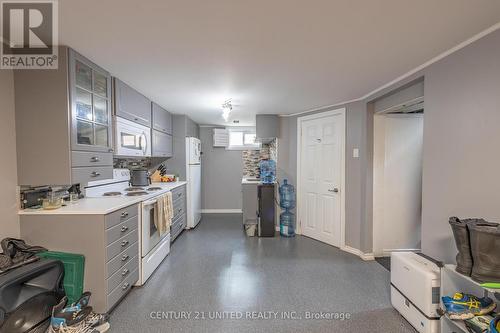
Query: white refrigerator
[193, 178]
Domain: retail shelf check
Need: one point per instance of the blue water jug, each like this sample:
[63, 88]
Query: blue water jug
[287, 195]
[267, 171]
[287, 224]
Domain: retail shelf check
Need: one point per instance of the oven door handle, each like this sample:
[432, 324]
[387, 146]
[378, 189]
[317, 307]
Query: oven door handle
[149, 202]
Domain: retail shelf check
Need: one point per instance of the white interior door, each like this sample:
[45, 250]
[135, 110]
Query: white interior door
[321, 173]
[397, 183]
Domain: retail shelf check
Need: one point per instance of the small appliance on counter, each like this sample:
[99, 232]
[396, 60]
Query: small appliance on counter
[140, 177]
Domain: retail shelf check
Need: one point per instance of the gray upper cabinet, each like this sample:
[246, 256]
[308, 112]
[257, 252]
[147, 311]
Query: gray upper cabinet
[162, 119]
[131, 105]
[162, 144]
[267, 126]
[90, 100]
[63, 122]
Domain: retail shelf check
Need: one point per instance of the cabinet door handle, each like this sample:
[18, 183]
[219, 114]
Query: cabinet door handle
[125, 257]
[125, 286]
[125, 243]
[94, 159]
[124, 228]
[179, 194]
[125, 272]
[95, 174]
[124, 214]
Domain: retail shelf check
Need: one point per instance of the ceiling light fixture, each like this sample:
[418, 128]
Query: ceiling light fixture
[227, 107]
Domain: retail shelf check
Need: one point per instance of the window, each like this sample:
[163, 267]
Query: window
[242, 138]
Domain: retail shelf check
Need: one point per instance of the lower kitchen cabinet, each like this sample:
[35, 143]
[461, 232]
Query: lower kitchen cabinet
[250, 203]
[108, 242]
[179, 220]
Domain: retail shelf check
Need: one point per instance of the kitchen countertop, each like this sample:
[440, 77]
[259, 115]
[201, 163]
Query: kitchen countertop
[102, 205]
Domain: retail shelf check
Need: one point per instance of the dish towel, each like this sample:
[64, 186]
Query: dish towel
[165, 213]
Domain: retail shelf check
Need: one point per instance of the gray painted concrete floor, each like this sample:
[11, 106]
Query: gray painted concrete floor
[214, 271]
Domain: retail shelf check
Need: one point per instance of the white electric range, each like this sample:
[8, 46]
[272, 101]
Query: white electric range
[153, 247]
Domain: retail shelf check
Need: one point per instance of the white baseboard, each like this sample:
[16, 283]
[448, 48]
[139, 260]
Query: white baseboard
[359, 253]
[221, 211]
[387, 252]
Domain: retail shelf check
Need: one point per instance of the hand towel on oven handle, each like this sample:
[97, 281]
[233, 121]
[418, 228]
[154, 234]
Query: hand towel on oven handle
[165, 213]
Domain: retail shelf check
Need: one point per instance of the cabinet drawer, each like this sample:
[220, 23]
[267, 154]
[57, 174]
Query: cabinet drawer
[178, 193]
[121, 275]
[180, 219]
[86, 159]
[121, 215]
[120, 230]
[122, 289]
[176, 230]
[122, 259]
[121, 244]
[84, 175]
[178, 210]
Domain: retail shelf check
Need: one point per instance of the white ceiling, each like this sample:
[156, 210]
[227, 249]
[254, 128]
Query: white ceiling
[269, 56]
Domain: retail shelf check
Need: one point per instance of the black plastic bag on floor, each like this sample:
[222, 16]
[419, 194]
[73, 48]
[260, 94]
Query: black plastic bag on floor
[17, 253]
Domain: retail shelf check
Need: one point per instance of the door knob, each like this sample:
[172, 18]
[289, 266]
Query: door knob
[335, 190]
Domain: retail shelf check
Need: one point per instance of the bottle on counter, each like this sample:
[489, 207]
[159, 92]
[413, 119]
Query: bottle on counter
[267, 171]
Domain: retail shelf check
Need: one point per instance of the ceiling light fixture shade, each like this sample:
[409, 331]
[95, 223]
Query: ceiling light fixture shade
[227, 107]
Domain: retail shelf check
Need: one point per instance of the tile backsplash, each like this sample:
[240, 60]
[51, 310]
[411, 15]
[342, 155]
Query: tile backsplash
[251, 158]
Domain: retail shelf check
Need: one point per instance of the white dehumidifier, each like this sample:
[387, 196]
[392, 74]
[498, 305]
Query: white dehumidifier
[415, 290]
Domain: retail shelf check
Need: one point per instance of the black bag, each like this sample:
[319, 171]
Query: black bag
[17, 253]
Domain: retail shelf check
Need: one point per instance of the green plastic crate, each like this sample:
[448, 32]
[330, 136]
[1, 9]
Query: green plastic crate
[74, 267]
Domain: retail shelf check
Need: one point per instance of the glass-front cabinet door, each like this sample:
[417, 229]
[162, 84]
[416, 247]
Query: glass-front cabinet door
[90, 100]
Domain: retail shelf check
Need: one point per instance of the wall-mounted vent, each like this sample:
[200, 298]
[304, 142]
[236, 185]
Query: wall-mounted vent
[221, 137]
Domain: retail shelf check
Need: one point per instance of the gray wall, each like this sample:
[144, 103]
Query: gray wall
[461, 142]
[9, 221]
[461, 147]
[182, 127]
[221, 174]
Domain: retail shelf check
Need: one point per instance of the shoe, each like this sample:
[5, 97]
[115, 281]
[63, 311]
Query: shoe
[466, 306]
[70, 320]
[495, 325]
[485, 247]
[462, 240]
[95, 320]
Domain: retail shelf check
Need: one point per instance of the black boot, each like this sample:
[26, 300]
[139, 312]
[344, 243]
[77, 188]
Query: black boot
[485, 246]
[461, 234]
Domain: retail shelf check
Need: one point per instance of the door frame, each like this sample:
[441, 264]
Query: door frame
[300, 120]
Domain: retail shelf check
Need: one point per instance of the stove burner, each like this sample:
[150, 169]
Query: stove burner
[112, 194]
[136, 193]
[134, 188]
[154, 188]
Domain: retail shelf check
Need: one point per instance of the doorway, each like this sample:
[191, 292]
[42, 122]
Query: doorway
[397, 182]
[321, 176]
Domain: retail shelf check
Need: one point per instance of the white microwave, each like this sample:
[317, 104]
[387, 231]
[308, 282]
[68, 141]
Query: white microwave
[131, 139]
